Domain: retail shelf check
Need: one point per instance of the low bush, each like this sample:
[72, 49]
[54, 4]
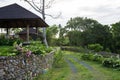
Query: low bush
[108, 62]
[95, 47]
[98, 58]
[117, 64]
[8, 51]
[37, 48]
[9, 42]
[58, 59]
[75, 49]
[92, 57]
[87, 56]
[112, 62]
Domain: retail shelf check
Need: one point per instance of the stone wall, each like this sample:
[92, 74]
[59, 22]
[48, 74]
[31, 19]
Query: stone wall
[22, 67]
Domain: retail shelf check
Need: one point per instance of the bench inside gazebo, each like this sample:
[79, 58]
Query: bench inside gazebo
[15, 16]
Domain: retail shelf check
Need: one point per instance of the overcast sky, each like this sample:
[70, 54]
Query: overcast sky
[104, 11]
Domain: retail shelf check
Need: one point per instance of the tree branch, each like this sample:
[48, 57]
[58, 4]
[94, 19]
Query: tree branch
[54, 17]
[33, 6]
[39, 8]
[49, 4]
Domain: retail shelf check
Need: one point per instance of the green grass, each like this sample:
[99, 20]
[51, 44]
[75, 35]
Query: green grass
[61, 73]
[109, 74]
[64, 72]
[82, 72]
[106, 73]
[6, 51]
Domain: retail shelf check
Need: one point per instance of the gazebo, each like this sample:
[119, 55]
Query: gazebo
[15, 16]
[33, 35]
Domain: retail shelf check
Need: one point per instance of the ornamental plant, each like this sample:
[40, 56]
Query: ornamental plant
[35, 47]
[98, 58]
[38, 48]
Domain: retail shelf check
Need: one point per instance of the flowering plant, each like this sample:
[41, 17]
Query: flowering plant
[28, 53]
[35, 48]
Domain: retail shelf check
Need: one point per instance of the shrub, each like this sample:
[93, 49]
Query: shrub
[109, 62]
[72, 48]
[112, 62]
[9, 42]
[58, 59]
[98, 58]
[38, 48]
[87, 56]
[116, 64]
[95, 47]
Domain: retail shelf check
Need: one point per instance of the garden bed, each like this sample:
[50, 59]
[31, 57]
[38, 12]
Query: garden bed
[7, 51]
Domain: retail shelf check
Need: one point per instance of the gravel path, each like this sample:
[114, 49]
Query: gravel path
[73, 69]
[100, 76]
[87, 66]
[72, 66]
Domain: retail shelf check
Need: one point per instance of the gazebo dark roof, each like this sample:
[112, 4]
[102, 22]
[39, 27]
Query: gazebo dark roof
[16, 16]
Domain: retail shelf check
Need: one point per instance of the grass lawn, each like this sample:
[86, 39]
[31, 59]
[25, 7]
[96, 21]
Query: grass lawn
[6, 51]
[109, 74]
[61, 73]
[98, 72]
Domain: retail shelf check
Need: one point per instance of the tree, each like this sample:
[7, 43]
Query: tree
[40, 6]
[63, 39]
[116, 36]
[102, 35]
[52, 31]
[80, 30]
[74, 38]
[80, 23]
[84, 31]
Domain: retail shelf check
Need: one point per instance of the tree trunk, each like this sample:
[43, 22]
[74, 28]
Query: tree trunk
[44, 29]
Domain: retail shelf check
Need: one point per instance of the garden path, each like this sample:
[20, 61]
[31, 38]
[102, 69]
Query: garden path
[74, 70]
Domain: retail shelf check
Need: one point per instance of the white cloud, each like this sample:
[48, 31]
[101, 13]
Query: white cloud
[105, 11]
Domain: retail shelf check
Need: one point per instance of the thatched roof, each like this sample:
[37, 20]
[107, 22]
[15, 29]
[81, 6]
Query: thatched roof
[16, 16]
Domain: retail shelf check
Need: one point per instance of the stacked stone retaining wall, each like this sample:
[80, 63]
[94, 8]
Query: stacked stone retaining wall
[22, 67]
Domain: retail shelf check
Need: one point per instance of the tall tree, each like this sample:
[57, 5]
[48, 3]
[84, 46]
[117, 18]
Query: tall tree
[80, 23]
[52, 32]
[40, 6]
[116, 36]
[84, 31]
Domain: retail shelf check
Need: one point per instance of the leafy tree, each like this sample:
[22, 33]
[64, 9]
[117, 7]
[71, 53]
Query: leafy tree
[80, 23]
[116, 36]
[81, 30]
[74, 38]
[84, 31]
[63, 39]
[102, 35]
[51, 34]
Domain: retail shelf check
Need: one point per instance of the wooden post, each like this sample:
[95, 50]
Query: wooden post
[28, 33]
[37, 31]
[7, 32]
